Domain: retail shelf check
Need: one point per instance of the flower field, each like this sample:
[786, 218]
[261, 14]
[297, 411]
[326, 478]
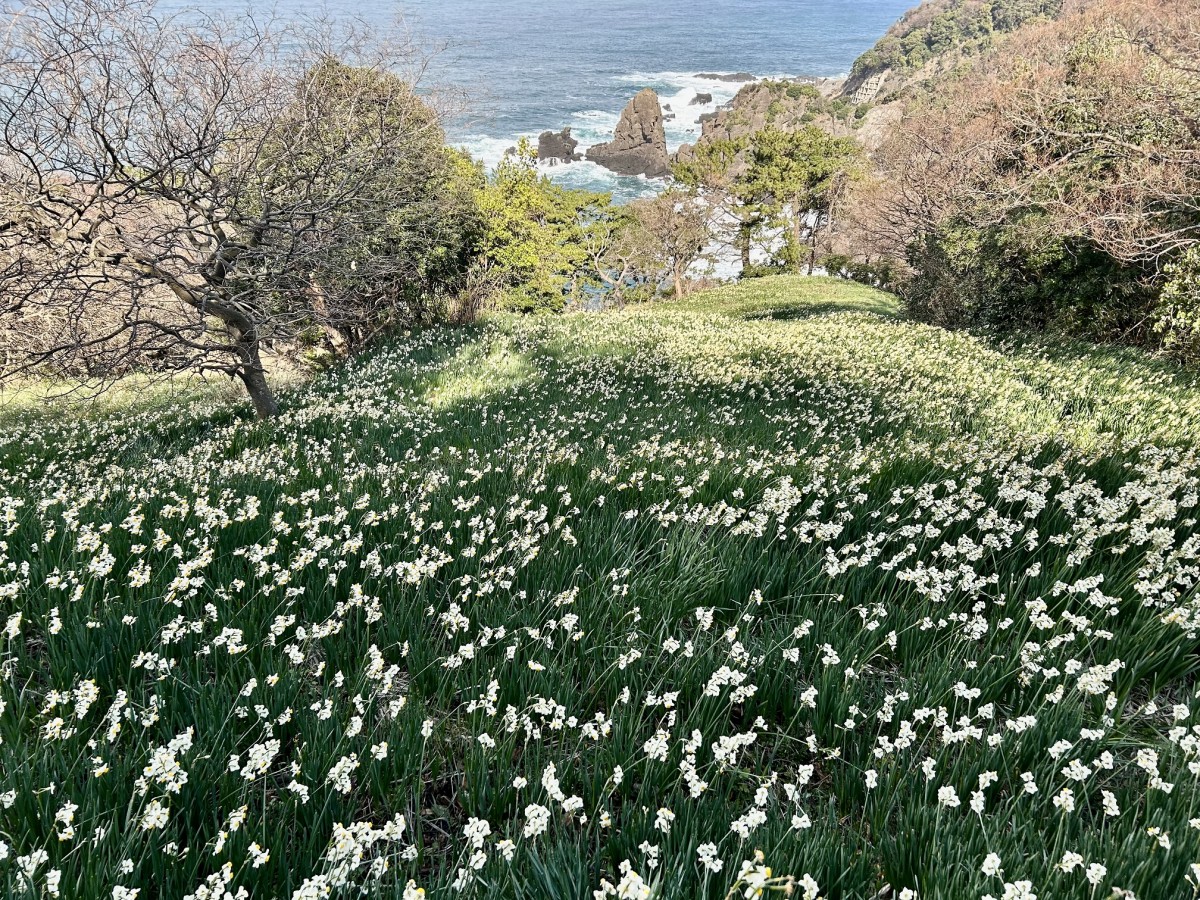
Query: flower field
[770, 591]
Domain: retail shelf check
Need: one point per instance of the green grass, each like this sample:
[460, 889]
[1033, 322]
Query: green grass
[775, 539]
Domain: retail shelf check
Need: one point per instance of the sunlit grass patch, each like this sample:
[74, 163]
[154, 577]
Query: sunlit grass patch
[476, 371]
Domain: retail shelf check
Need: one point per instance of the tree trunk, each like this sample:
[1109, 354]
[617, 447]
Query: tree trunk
[797, 224]
[254, 378]
[812, 253]
[678, 273]
[260, 393]
[744, 246]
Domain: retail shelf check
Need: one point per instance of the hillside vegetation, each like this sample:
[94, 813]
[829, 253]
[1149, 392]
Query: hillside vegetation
[770, 584]
[944, 28]
[1046, 181]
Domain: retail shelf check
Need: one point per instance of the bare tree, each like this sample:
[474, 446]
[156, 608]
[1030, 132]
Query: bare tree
[1093, 121]
[670, 232]
[616, 255]
[184, 191]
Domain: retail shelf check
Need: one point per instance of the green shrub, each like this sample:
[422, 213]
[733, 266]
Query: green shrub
[1178, 315]
[1023, 276]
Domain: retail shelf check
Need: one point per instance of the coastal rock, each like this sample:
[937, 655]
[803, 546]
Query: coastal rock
[639, 145]
[784, 104]
[701, 100]
[781, 104]
[558, 146]
[736, 77]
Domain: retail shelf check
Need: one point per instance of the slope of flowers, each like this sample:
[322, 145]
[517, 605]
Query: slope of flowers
[767, 592]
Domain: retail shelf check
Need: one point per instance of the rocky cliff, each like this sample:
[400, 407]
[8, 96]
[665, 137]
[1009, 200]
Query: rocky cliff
[933, 39]
[639, 145]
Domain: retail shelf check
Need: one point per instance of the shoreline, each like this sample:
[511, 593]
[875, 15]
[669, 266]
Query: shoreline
[590, 127]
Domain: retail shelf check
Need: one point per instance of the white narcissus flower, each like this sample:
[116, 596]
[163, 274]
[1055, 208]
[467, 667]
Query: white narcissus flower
[948, 797]
[537, 819]
[707, 854]
[1070, 861]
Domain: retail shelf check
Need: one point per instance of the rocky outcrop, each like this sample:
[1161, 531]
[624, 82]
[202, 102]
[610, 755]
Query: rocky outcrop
[784, 104]
[701, 100]
[735, 78]
[639, 145]
[558, 146]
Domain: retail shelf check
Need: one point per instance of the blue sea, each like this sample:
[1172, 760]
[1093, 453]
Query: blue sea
[529, 66]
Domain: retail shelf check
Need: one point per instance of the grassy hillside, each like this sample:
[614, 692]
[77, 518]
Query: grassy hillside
[552, 603]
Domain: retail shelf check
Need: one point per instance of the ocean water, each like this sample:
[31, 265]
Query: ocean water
[528, 66]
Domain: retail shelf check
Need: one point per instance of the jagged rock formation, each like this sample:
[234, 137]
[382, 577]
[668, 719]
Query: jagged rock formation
[701, 100]
[558, 146]
[639, 145]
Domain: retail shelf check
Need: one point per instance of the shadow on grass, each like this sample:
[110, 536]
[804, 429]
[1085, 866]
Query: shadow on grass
[792, 312]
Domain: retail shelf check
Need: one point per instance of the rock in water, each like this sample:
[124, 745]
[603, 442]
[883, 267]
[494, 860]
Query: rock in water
[735, 78]
[639, 145]
[557, 146]
[701, 100]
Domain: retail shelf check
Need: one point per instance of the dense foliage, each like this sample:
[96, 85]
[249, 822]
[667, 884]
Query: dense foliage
[792, 179]
[773, 190]
[613, 603]
[937, 28]
[1055, 185]
[533, 239]
[546, 248]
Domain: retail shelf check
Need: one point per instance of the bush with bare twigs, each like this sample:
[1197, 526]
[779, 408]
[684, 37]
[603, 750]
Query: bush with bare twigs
[1057, 183]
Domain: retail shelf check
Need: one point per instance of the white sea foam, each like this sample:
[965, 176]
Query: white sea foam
[582, 175]
[677, 90]
[490, 150]
[595, 126]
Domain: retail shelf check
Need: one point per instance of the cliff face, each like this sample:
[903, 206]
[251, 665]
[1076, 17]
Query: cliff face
[639, 145]
[935, 38]
[782, 104]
